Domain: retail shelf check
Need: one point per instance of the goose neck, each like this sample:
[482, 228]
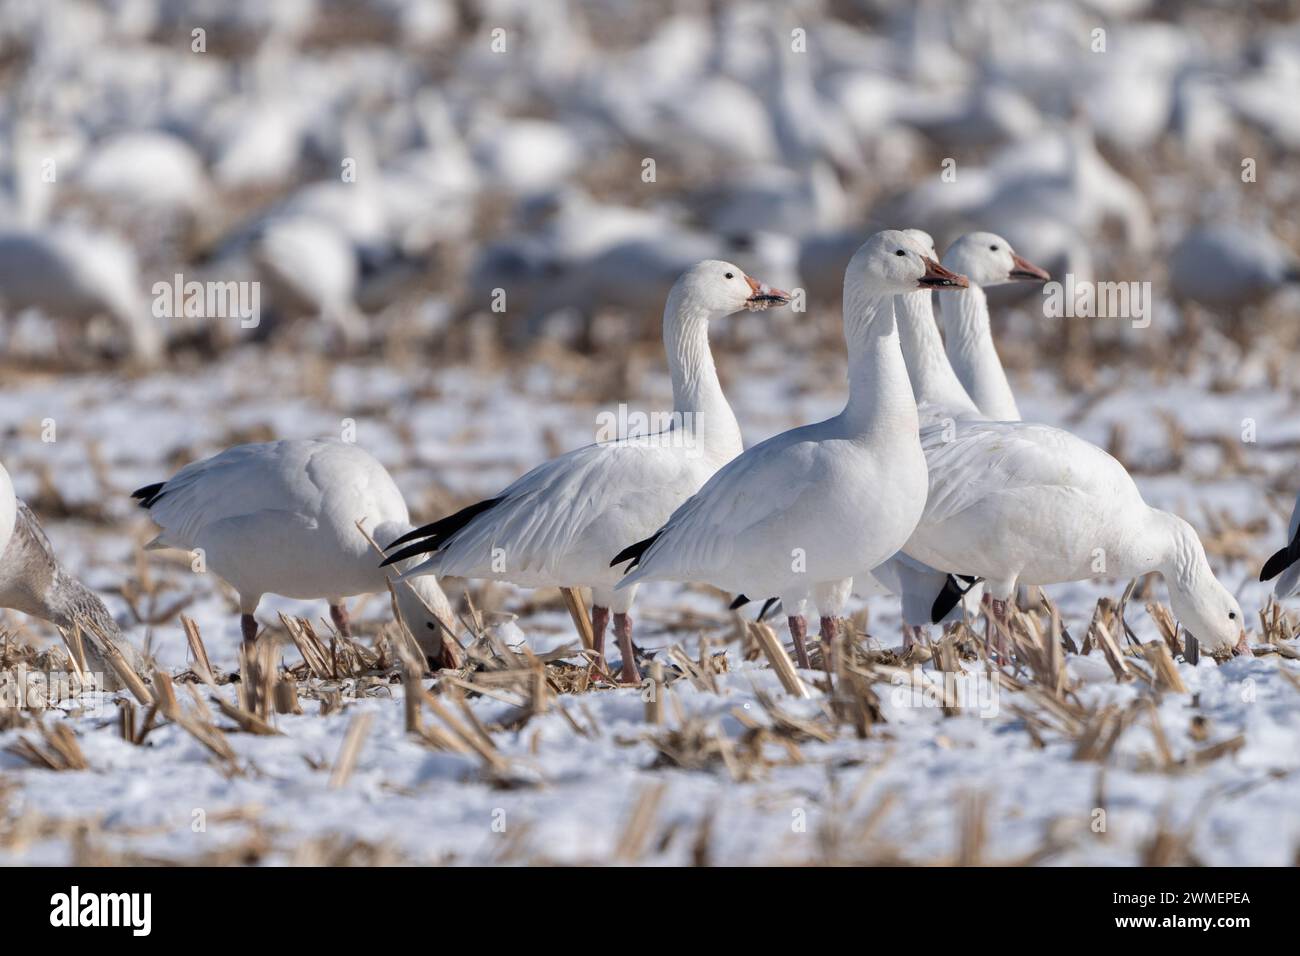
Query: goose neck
[933, 380]
[880, 394]
[972, 355]
[698, 400]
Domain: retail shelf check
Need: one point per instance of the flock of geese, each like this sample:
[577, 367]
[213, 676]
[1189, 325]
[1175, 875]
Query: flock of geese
[927, 484]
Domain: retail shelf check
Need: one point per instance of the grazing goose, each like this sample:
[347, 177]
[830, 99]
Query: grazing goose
[1014, 502]
[74, 275]
[281, 518]
[33, 582]
[987, 259]
[801, 513]
[558, 525]
[1285, 562]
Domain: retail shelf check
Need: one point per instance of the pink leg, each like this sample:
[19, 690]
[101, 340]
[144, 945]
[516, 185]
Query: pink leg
[996, 609]
[623, 631]
[828, 626]
[599, 621]
[798, 631]
[339, 615]
[913, 636]
[248, 624]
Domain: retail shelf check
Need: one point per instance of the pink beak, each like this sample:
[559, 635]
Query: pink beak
[764, 296]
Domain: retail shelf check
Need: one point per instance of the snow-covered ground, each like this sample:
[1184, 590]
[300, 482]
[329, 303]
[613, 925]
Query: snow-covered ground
[569, 786]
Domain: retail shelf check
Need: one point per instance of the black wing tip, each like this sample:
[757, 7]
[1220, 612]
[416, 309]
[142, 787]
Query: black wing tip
[1275, 565]
[149, 494]
[442, 529]
[767, 606]
[633, 552]
[420, 547]
[740, 602]
[950, 596]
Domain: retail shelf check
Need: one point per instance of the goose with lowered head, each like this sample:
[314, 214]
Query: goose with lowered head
[1012, 503]
[32, 581]
[281, 518]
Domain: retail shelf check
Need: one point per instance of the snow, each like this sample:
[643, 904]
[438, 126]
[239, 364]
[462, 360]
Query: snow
[572, 795]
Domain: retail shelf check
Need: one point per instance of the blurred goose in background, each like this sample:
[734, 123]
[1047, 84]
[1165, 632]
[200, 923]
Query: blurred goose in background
[72, 275]
[1052, 193]
[33, 582]
[281, 518]
[798, 515]
[311, 269]
[559, 524]
[148, 170]
[1227, 268]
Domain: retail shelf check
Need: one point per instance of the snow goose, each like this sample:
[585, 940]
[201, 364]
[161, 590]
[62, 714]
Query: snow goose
[1014, 502]
[558, 525]
[281, 518]
[942, 399]
[71, 274]
[986, 259]
[1227, 268]
[938, 391]
[33, 582]
[1285, 562]
[801, 513]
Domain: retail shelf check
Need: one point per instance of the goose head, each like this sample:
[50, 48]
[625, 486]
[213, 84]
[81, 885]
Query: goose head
[721, 288]
[989, 260]
[893, 262]
[1212, 616]
[425, 611]
[925, 241]
[1200, 603]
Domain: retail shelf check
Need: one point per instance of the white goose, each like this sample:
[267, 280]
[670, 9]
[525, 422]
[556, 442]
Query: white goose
[1285, 562]
[33, 582]
[967, 336]
[1014, 502]
[939, 392]
[799, 514]
[280, 518]
[558, 525]
[941, 398]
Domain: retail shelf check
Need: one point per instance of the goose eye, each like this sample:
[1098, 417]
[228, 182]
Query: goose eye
[993, 248]
[1232, 615]
[900, 252]
[730, 275]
